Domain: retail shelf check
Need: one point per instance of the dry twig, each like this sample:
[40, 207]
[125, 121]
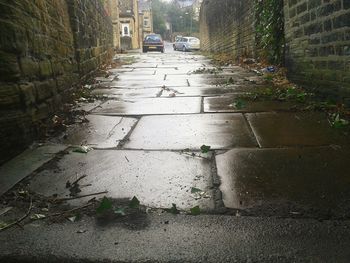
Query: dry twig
[20, 219]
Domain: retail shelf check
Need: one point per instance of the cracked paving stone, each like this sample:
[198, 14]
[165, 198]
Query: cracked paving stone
[311, 181]
[100, 131]
[158, 179]
[220, 131]
[149, 106]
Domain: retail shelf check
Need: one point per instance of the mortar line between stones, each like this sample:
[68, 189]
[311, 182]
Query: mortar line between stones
[252, 130]
[217, 194]
[126, 138]
[111, 132]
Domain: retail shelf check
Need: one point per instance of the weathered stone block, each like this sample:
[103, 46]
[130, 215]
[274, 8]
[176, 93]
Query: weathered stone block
[28, 93]
[40, 112]
[9, 68]
[30, 68]
[45, 69]
[9, 96]
[44, 89]
[12, 37]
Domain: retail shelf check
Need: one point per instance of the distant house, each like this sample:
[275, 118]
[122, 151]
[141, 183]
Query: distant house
[145, 17]
[184, 3]
[129, 24]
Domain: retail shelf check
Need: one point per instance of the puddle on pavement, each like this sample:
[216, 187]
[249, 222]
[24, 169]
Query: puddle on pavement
[295, 129]
[305, 182]
[235, 103]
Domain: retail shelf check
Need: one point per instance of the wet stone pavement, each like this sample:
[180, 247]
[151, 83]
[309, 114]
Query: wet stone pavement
[265, 159]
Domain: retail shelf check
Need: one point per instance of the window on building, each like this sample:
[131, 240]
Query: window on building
[125, 30]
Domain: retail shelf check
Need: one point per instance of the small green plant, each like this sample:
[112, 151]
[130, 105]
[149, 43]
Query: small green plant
[337, 122]
[239, 104]
[172, 210]
[205, 148]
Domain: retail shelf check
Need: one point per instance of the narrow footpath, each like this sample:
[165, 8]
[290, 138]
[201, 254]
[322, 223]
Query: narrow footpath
[269, 183]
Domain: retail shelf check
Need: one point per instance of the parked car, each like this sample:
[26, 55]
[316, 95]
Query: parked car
[153, 42]
[186, 44]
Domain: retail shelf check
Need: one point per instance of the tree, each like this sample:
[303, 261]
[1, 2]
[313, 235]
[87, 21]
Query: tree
[181, 19]
[159, 22]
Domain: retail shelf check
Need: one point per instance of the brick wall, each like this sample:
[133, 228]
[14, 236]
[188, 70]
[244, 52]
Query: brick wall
[227, 26]
[45, 47]
[318, 44]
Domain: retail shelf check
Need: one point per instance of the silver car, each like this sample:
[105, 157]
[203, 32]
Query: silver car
[186, 44]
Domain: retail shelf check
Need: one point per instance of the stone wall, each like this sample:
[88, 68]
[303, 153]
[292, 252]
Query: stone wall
[227, 26]
[317, 34]
[46, 46]
[318, 44]
[93, 34]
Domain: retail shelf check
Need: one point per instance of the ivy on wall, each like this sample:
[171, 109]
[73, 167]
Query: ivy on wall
[269, 26]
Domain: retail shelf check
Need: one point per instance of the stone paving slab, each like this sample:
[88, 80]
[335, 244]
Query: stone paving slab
[100, 131]
[311, 181]
[139, 72]
[294, 129]
[150, 83]
[204, 91]
[197, 80]
[127, 93]
[172, 71]
[140, 77]
[88, 106]
[24, 164]
[157, 179]
[149, 106]
[141, 65]
[177, 132]
[227, 104]
[116, 85]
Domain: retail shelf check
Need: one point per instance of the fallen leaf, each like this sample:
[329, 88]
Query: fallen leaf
[75, 218]
[239, 104]
[105, 205]
[172, 210]
[120, 211]
[205, 148]
[195, 211]
[82, 149]
[37, 216]
[134, 203]
[195, 190]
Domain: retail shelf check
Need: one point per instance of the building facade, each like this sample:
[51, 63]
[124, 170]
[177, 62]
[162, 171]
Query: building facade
[112, 8]
[146, 17]
[129, 24]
